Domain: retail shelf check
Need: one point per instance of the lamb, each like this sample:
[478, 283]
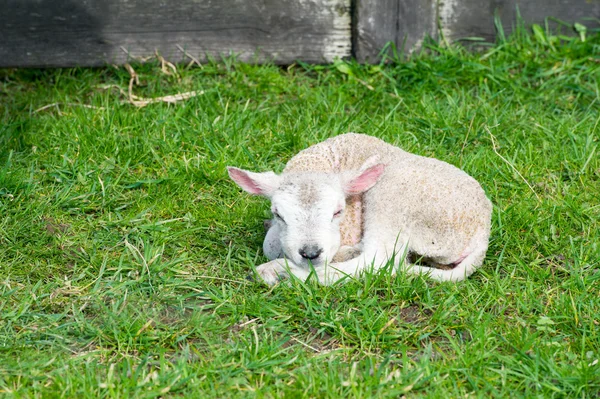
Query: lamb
[372, 202]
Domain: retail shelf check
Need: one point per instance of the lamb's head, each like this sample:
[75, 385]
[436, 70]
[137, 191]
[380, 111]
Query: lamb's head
[308, 207]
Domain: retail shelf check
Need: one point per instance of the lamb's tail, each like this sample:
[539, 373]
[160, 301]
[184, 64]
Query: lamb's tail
[473, 258]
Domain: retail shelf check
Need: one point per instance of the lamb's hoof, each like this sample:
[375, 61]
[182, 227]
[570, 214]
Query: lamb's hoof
[271, 272]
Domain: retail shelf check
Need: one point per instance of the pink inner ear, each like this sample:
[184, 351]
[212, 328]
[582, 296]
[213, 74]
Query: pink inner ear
[365, 180]
[244, 181]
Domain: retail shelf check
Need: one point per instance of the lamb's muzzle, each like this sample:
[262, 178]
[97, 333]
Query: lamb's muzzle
[310, 252]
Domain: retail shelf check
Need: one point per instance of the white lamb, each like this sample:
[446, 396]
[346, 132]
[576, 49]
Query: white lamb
[380, 202]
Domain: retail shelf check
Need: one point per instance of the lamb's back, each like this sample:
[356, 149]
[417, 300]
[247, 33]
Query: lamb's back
[341, 153]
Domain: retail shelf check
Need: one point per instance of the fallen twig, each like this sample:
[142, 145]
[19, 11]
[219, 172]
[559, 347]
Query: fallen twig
[164, 64]
[305, 344]
[134, 57]
[368, 86]
[194, 60]
[494, 146]
[142, 101]
[227, 280]
[248, 322]
[66, 104]
[133, 78]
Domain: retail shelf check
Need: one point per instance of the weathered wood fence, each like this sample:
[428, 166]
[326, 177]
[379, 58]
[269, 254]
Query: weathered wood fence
[98, 32]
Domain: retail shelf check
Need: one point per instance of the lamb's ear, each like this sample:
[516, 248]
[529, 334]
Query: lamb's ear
[363, 180]
[263, 184]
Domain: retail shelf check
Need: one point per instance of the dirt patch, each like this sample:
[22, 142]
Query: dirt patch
[557, 265]
[244, 323]
[557, 261]
[321, 341]
[54, 228]
[315, 341]
[413, 314]
[173, 315]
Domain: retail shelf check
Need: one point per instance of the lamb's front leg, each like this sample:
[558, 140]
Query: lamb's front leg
[278, 269]
[370, 259]
[332, 272]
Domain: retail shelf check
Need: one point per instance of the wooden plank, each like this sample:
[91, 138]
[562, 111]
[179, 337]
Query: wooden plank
[404, 22]
[99, 32]
[470, 18]
[407, 22]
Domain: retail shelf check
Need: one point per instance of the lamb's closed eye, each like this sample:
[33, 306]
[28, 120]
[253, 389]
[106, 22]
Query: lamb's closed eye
[278, 216]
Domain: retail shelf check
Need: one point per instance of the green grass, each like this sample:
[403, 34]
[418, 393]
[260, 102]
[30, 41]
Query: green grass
[124, 247]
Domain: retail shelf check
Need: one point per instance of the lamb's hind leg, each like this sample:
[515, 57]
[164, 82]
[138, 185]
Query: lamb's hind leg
[469, 261]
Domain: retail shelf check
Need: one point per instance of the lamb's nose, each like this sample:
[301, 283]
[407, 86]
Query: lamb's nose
[310, 252]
